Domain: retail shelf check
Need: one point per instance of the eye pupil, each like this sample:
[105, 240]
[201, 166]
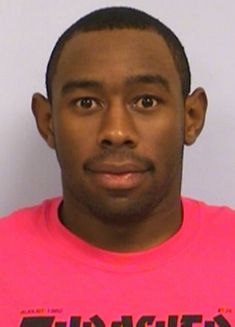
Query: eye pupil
[147, 102]
[86, 103]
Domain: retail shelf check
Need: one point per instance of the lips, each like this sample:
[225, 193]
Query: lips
[117, 168]
[113, 176]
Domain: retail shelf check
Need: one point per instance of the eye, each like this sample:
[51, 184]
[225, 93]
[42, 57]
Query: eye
[86, 103]
[146, 101]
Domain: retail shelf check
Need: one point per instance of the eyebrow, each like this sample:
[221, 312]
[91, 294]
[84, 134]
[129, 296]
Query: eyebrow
[149, 79]
[136, 79]
[81, 84]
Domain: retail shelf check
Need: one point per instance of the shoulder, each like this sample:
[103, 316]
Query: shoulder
[215, 223]
[207, 211]
[26, 217]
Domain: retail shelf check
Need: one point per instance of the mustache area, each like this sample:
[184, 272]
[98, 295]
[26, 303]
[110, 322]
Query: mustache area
[118, 157]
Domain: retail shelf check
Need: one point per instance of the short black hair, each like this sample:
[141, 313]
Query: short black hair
[121, 18]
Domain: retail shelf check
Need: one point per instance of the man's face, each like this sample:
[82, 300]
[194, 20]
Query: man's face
[118, 123]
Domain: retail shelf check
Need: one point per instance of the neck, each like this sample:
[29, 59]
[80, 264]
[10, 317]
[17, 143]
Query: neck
[160, 225]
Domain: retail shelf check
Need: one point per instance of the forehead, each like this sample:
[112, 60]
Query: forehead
[114, 55]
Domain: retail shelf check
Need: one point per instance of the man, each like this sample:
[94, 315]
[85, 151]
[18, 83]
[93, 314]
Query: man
[121, 247]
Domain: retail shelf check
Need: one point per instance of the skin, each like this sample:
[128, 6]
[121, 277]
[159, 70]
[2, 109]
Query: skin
[117, 102]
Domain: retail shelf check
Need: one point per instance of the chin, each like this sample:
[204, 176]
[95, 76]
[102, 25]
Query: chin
[122, 211]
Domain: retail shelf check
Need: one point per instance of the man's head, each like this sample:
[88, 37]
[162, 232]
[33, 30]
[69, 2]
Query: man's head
[118, 114]
[122, 18]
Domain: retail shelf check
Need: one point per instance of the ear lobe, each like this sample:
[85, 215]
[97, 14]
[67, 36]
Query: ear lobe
[195, 113]
[42, 112]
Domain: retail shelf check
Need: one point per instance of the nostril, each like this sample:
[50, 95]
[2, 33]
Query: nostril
[109, 143]
[106, 143]
[128, 142]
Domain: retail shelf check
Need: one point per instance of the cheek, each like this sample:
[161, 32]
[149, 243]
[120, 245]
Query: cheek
[163, 142]
[73, 141]
[164, 135]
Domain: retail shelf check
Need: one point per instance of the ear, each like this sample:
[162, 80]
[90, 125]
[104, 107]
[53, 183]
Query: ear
[41, 109]
[195, 113]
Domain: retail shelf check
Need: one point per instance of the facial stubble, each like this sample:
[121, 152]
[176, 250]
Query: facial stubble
[122, 208]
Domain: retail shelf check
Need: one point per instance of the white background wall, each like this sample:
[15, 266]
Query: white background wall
[28, 31]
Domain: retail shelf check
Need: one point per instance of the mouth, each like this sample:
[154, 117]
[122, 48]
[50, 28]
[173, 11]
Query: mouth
[118, 176]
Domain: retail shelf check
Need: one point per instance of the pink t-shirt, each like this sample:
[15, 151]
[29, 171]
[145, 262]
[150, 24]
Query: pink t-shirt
[51, 278]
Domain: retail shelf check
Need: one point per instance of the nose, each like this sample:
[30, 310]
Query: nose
[117, 128]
